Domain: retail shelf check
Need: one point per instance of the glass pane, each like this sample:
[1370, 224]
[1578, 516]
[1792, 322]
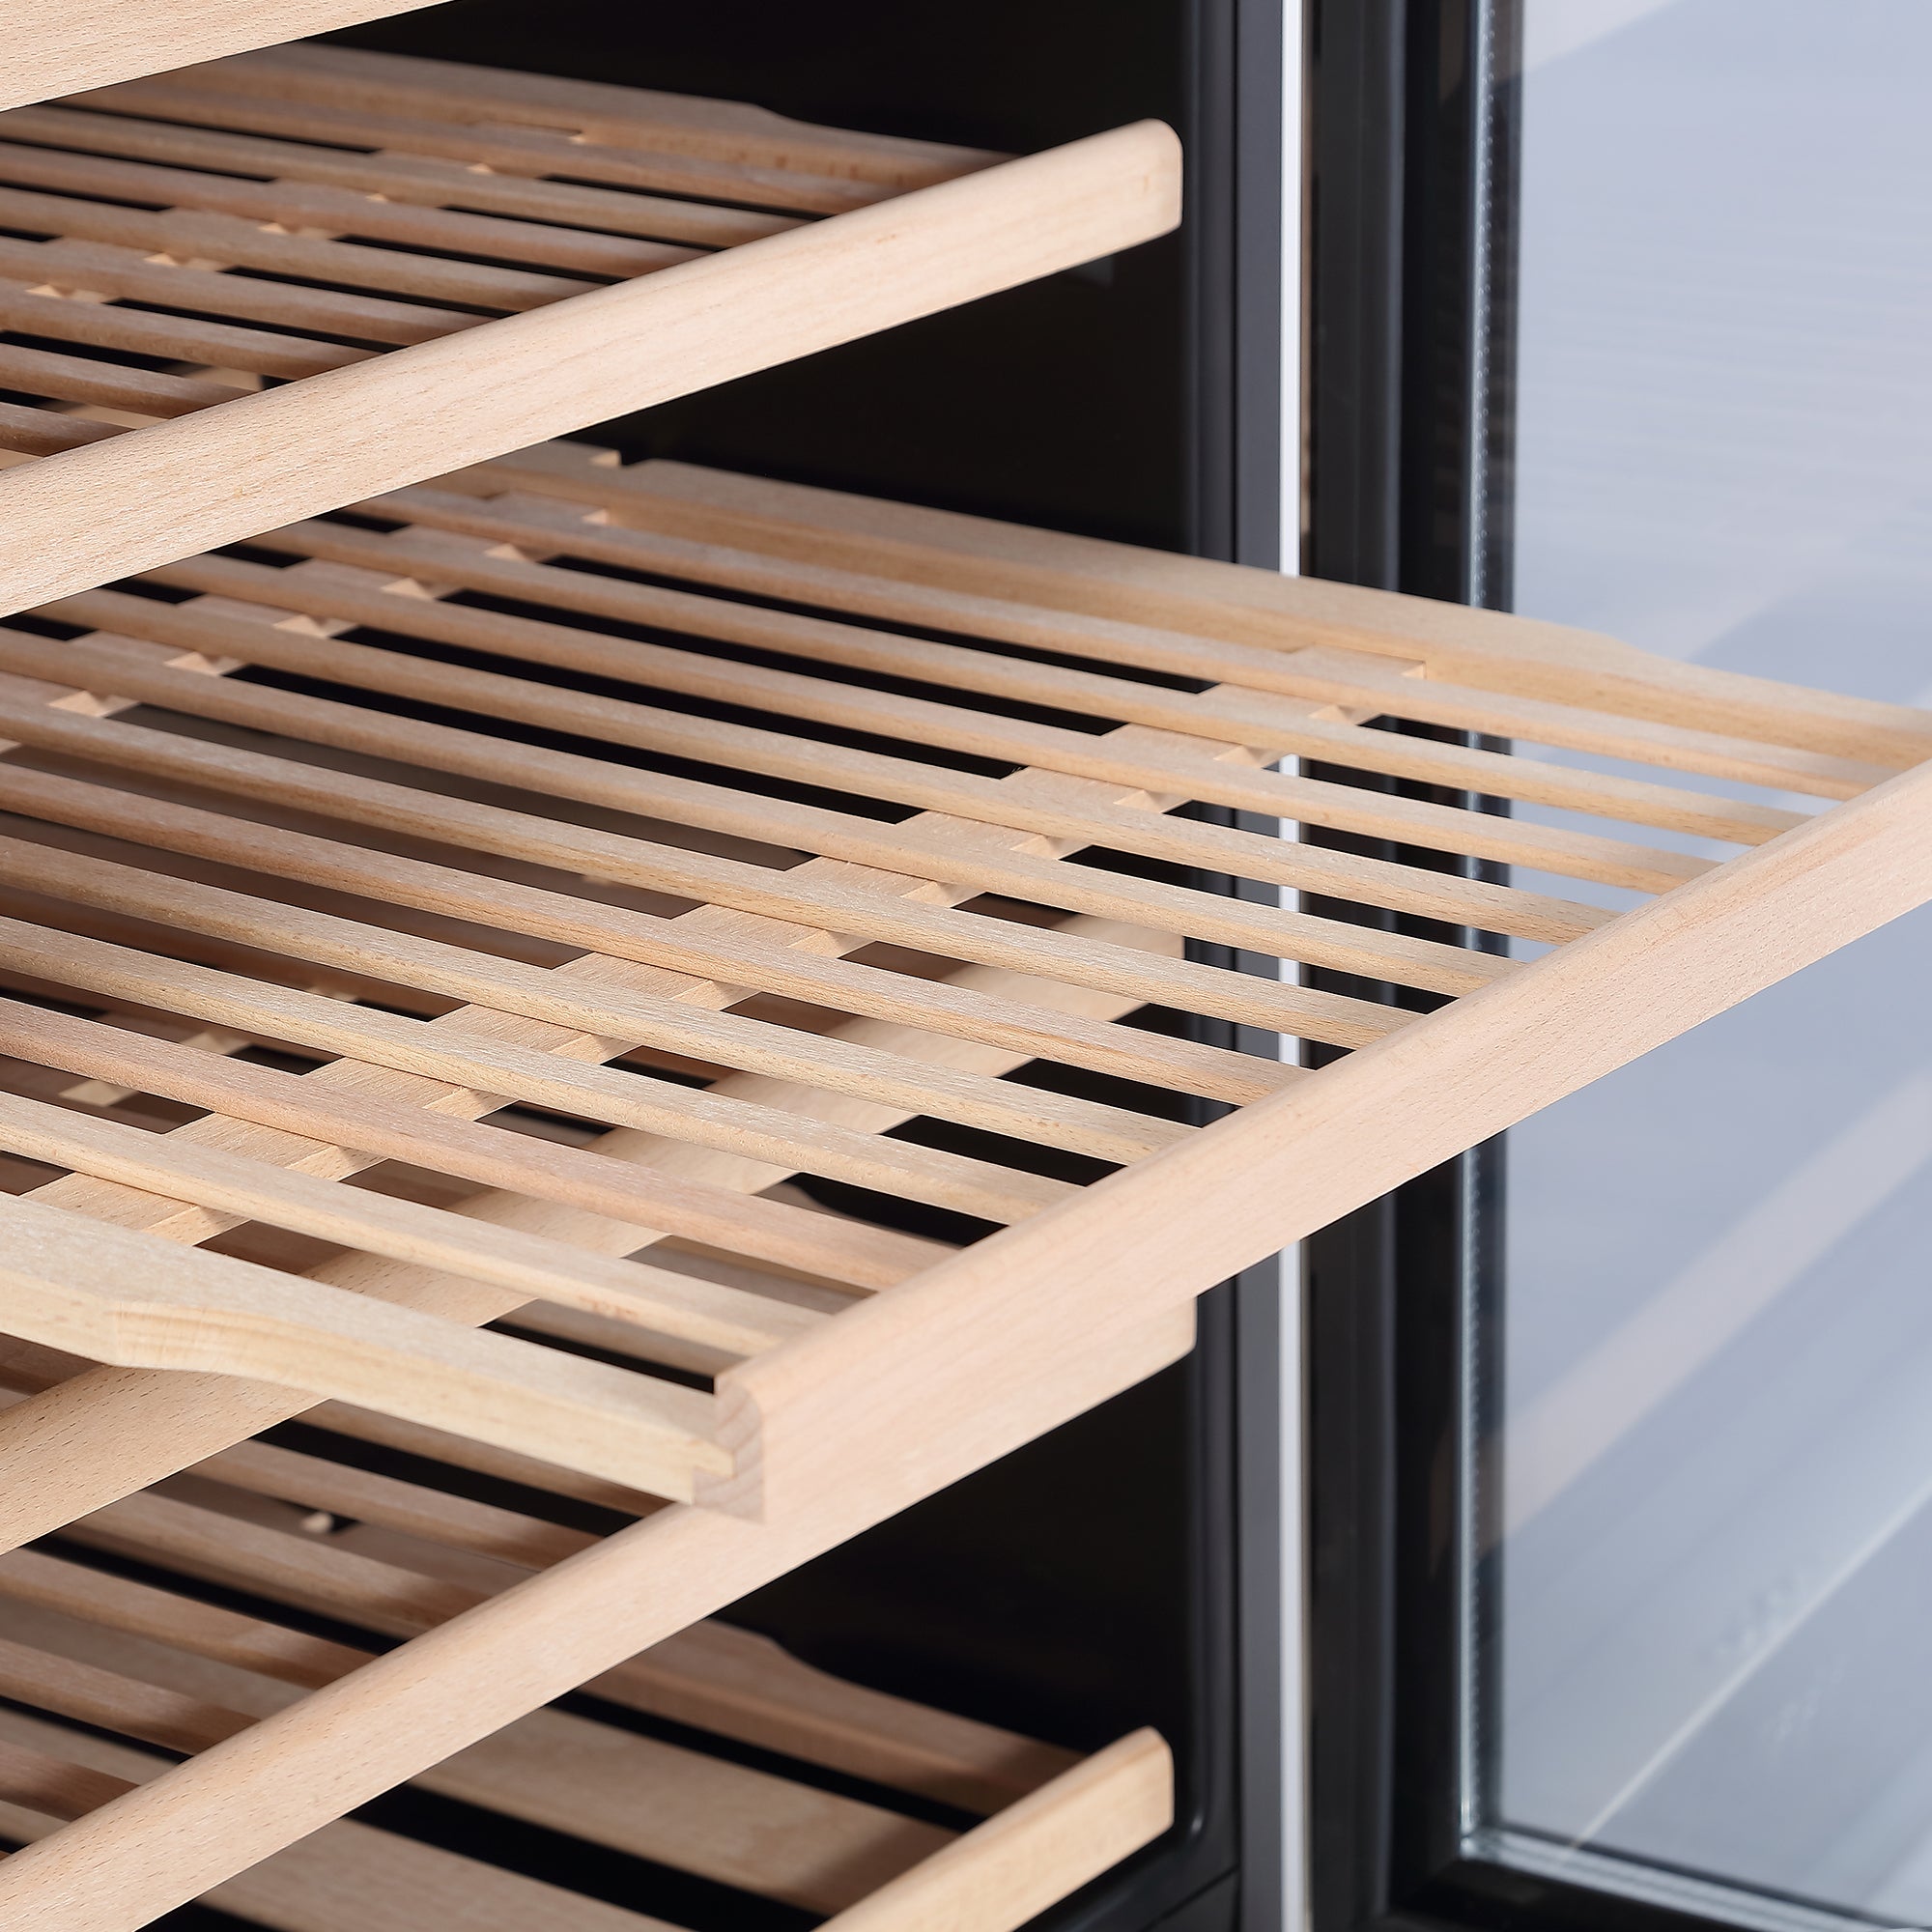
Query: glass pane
[1707, 1609]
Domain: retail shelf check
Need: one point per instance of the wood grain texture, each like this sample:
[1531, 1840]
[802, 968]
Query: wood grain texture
[54, 48]
[1008, 1870]
[130, 1300]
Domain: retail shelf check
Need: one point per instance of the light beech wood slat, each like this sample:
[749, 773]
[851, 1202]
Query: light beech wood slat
[205, 98]
[380, 1223]
[1089, 1815]
[316, 1111]
[943, 1005]
[1820, 731]
[127, 273]
[224, 344]
[413, 179]
[77, 379]
[1244, 718]
[1109, 1133]
[691, 802]
[137, 1302]
[722, 1821]
[715, 1677]
[784, 895]
[42, 433]
[350, 1875]
[563, 525]
[237, 243]
[727, 132]
[333, 211]
[714, 807]
[513, 1073]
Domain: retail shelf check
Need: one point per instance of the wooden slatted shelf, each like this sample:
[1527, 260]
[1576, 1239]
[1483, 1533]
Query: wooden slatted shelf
[660, 984]
[264, 286]
[862, 1808]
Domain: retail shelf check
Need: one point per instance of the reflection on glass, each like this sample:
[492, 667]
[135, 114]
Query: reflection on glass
[1708, 1605]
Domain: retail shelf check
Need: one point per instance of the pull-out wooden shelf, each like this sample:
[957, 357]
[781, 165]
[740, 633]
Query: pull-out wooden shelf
[673, 976]
[263, 287]
[865, 1810]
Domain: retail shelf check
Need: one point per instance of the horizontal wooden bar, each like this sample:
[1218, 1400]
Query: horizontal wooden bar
[1221, 717]
[130, 1300]
[535, 524]
[40, 311]
[130, 274]
[1505, 654]
[737, 961]
[715, 807]
[411, 178]
[384, 1224]
[731, 133]
[515, 1072]
[237, 241]
[491, 1156]
[481, 979]
[786, 895]
[82, 378]
[333, 209]
[1002, 1875]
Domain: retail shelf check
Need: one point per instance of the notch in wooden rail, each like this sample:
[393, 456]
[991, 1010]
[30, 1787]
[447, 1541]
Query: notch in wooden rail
[135, 1300]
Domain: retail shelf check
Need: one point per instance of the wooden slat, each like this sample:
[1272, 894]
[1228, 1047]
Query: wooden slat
[410, 179]
[728, 132]
[107, 326]
[497, 147]
[513, 1073]
[793, 896]
[505, 905]
[717, 808]
[42, 431]
[79, 378]
[532, 523]
[724, 1822]
[130, 1300]
[381, 1223]
[1504, 654]
[478, 979]
[322, 1112]
[333, 211]
[1005, 1873]
[1199, 772]
[239, 243]
[306, 447]
[55, 48]
[51, 1786]
[713, 1677]
[347, 1874]
[129, 274]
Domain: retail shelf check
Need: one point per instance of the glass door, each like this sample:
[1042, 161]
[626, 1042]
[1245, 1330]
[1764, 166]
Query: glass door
[1708, 1586]
[1622, 1432]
